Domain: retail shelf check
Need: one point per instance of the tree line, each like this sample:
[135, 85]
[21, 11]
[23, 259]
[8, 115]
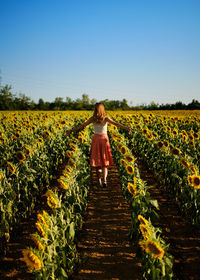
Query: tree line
[10, 101]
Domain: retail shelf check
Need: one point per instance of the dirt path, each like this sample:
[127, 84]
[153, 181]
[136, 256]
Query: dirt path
[183, 238]
[104, 242]
[12, 266]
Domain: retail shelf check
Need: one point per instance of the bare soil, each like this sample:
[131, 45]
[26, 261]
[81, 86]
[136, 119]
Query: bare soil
[104, 242]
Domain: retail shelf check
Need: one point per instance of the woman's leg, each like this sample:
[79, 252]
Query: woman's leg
[99, 174]
[105, 174]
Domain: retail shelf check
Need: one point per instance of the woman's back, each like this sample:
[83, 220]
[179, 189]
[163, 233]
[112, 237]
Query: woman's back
[100, 128]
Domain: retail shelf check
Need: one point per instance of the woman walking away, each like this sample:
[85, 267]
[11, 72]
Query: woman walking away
[100, 152]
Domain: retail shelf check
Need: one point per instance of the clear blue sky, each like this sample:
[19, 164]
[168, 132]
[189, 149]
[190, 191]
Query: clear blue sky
[141, 50]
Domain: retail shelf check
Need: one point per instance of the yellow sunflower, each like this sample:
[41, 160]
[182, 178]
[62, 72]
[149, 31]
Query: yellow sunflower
[40, 229]
[68, 169]
[31, 259]
[196, 181]
[62, 184]
[20, 156]
[155, 249]
[129, 158]
[184, 162]
[11, 167]
[175, 151]
[142, 220]
[27, 150]
[71, 163]
[73, 147]
[189, 179]
[132, 189]
[145, 231]
[38, 242]
[130, 169]
[175, 132]
[42, 220]
[124, 150]
[160, 144]
[193, 169]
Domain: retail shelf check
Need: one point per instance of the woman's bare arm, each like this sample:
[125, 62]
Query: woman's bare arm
[118, 124]
[81, 126]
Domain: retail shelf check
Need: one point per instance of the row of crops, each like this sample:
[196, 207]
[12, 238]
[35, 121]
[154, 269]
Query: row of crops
[170, 146]
[39, 165]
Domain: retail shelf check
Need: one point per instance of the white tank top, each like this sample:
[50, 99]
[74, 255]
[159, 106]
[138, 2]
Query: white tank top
[100, 128]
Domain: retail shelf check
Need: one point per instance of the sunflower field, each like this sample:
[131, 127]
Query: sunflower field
[45, 174]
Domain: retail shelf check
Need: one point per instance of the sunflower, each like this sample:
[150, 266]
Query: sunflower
[145, 131]
[27, 150]
[196, 181]
[130, 169]
[145, 231]
[65, 174]
[154, 248]
[129, 158]
[20, 156]
[81, 139]
[51, 199]
[132, 189]
[196, 135]
[143, 245]
[193, 169]
[142, 220]
[149, 136]
[68, 169]
[191, 143]
[122, 162]
[62, 184]
[42, 220]
[160, 144]
[166, 143]
[40, 141]
[184, 162]
[184, 137]
[191, 137]
[189, 179]
[69, 153]
[155, 134]
[73, 147]
[175, 151]
[11, 167]
[71, 163]
[31, 259]
[175, 132]
[124, 150]
[36, 238]
[119, 145]
[45, 134]
[45, 215]
[40, 229]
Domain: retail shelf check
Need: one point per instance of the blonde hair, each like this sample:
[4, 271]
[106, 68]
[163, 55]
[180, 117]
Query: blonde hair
[99, 113]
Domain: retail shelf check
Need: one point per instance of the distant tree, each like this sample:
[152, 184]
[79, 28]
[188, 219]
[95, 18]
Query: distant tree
[93, 101]
[41, 104]
[6, 98]
[124, 105]
[194, 105]
[153, 106]
[58, 103]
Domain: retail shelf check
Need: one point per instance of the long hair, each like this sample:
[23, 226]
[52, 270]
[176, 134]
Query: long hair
[99, 113]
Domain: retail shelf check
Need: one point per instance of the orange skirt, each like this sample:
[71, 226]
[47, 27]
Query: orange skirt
[100, 153]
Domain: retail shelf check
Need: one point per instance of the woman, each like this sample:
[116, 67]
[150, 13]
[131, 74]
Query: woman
[100, 153]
